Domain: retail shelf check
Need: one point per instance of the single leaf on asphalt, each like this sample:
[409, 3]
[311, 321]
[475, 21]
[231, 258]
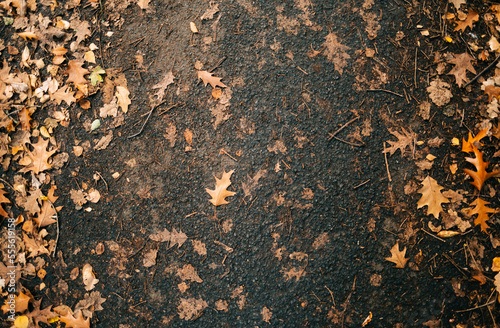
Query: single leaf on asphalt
[482, 212]
[207, 77]
[189, 308]
[88, 277]
[431, 197]
[398, 257]
[479, 176]
[220, 192]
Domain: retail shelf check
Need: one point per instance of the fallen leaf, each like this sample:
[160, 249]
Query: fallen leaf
[167, 80]
[188, 272]
[88, 277]
[266, 314]
[123, 100]
[174, 237]
[471, 18]
[210, 12]
[92, 302]
[207, 77]
[406, 139]
[336, 52]
[3, 200]
[221, 305]
[21, 303]
[462, 64]
[495, 266]
[75, 322]
[150, 258]
[439, 92]
[220, 192]
[76, 73]
[38, 158]
[398, 257]
[431, 197]
[25, 118]
[482, 212]
[479, 176]
[189, 308]
[199, 247]
[467, 145]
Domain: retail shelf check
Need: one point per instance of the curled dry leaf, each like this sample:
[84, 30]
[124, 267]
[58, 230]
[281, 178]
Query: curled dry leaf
[88, 277]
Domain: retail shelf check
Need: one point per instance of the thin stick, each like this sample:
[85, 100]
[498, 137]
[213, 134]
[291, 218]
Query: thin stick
[342, 127]
[484, 70]
[477, 307]
[300, 69]
[99, 174]
[348, 142]
[331, 294]
[218, 64]
[146, 121]
[384, 90]
[415, 73]
[223, 151]
[430, 234]
[387, 164]
[362, 184]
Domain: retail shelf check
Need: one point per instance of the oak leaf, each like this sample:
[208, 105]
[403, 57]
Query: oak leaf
[122, 98]
[482, 212]
[492, 91]
[188, 272]
[25, 118]
[207, 77]
[471, 18]
[75, 321]
[34, 245]
[167, 80]
[462, 65]
[398, 257]
[479, 176]
[220, 192]
[405, 139]
[467, 145]
[48, 211]
[21, 302]
[174, 237]
[63, 94]
[3, 199]
[38, 158]
[39, 315]
[431, 197]
[76, 72]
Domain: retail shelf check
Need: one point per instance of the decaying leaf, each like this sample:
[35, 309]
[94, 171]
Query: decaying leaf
[122, 98]
[220, 192]
[188, 272]
[479, 176]
[191, 308]
[482, 212]
[3, 200]
[431, 197]
[336, 52]
[439, 92]
[38, 158]
[462, 65]
[167, 80]
[398, 257]
[88, 277]
[174, 237]
[266, 314]
[405, 139]
[207, 77]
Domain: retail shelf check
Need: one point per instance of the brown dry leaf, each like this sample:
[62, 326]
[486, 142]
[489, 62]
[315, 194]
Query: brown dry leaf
[75, 321]
[398, 257]
[482, 212]
[38, 315]
[150, 258]
[216, 93]
[191, 308]
[210, 12]
[439, 92]
[34, 245]
[252, 184]
[220, 192]
[479, 176]
[207, 77]
[495, 265]
[38, 158]
[91, 303]
[63, 94]
[88, 277]
[221, 305]
[266, 314]
[25, 118]
[471, 18]
[188, 135]
[492, 91]
[462, 65]
[199, 247]
[467, 145]
[28, 36]
[76, 72]
[21, 302]
[143, 4]
[296, 273]
[104, 142]
[48, 211]
[3, 200]
[336, 52]
[188, 272]
[123, 100]
[174, 237]
[406, 139]
[171, 134]
[431, 197]
[167, 80]
[321, 241]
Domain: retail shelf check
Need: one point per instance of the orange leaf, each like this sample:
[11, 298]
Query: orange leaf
[467, 145]
[482, 212]
[220, 192]
[207, 77]
[492, 91]
[479, 176]
[431, 197]
[22, 300]
[398, 257]
[75, 322]
[76, 72]
[3, 199]
[28, 35]
[25, 118]
[472, 17]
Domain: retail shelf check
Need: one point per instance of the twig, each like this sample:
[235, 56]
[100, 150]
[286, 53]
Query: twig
[170, 107]
[146, 121]
[477, 307]
[348, 142]
[218, 64]
[300, 69]
[415, 73]
[362, 184]
[331, 294]
[136, 41]
[99, 174]
[484, 70]
[387, 164]
[332, 135]
[430, 234]
[223, 151]
[384, 90]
